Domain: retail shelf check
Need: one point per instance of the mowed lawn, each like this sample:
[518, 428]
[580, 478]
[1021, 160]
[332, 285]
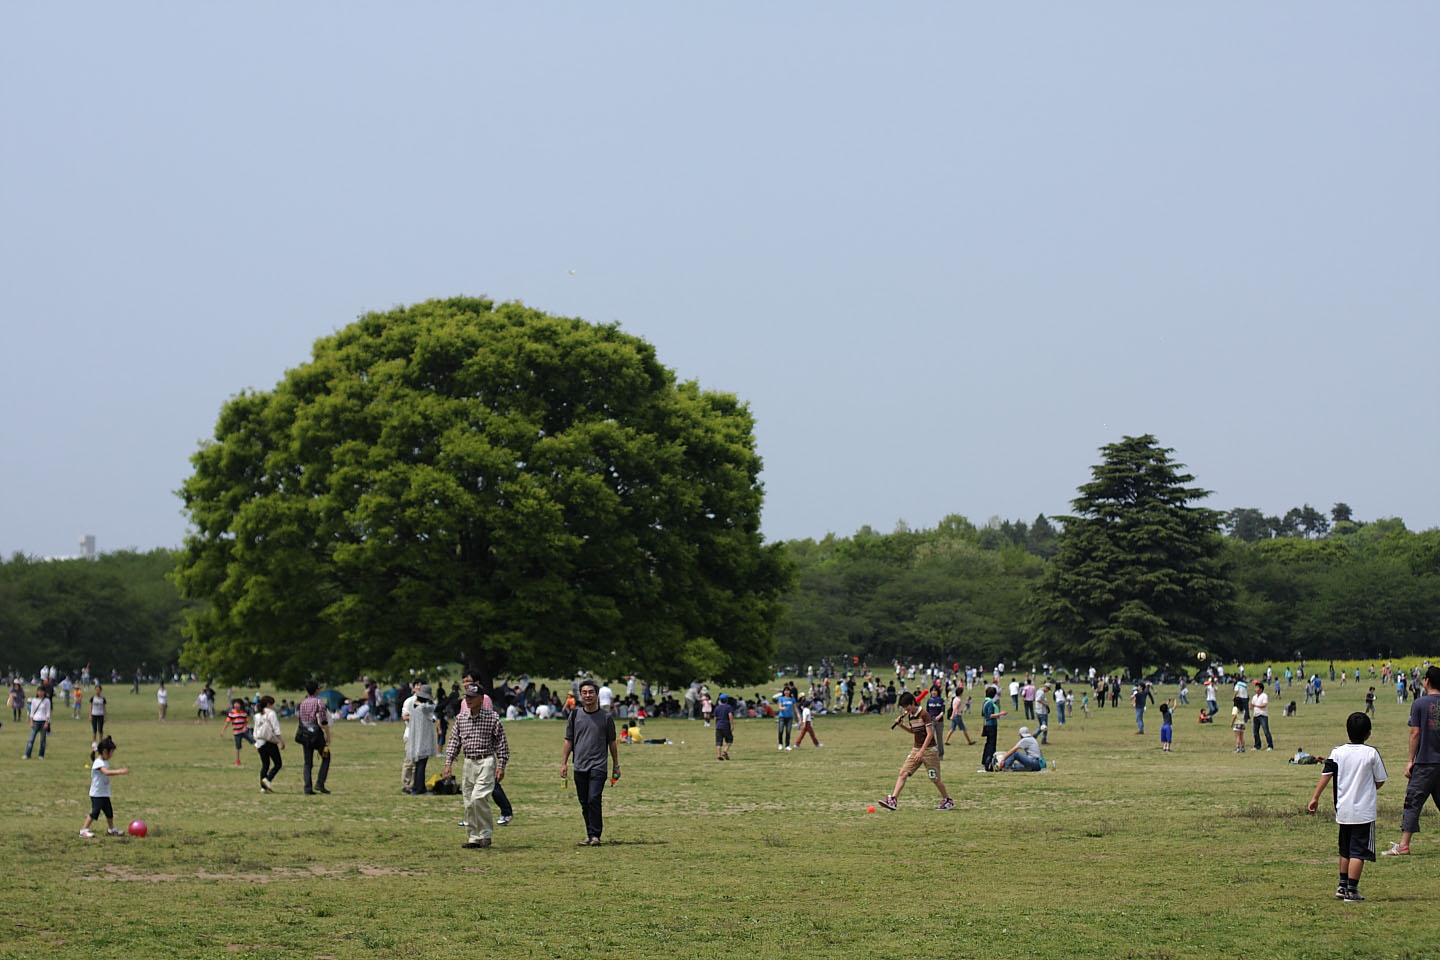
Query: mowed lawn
[1122, 851]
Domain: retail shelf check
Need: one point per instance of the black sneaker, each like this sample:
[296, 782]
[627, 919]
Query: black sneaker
[1340, 892]
[1353, 896]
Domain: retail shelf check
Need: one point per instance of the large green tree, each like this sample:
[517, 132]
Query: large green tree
[464, 480]
[1138, 578]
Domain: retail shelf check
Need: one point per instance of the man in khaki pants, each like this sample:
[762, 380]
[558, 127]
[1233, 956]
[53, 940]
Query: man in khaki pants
[480, 735]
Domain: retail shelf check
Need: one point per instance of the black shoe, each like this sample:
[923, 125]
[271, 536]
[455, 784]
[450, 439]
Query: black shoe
[321, 790]
[471, 846]
[309, 792]
[1353, 896]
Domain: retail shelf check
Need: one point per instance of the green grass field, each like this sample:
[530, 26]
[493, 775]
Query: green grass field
[1121, 852]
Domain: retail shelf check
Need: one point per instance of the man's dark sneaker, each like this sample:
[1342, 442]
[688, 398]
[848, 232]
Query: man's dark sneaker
[471, 846]
[1340, 892]
[1353, 896]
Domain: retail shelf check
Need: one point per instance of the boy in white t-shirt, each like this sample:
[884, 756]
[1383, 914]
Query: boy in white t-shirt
[1358, 773]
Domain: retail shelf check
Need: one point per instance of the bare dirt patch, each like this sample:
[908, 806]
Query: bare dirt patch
[126, 874]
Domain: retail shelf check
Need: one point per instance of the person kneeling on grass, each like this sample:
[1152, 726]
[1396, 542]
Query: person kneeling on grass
[1358, 773]
[1025, 756]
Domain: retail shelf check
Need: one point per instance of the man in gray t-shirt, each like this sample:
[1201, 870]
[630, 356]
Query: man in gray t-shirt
[1423, 770]
[588, 733]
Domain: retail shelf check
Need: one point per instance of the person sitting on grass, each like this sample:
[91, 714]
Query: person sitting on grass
[1025, 756]
[1358, 773]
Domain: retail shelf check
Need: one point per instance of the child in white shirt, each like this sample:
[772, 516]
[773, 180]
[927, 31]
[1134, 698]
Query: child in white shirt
[100, 774]
[1358, 773]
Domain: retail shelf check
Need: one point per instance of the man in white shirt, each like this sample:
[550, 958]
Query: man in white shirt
[1259, 709]
[1015, 694]
[607, 697]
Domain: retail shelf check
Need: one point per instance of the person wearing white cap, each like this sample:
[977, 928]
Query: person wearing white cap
[1025, 756]
[422, 740]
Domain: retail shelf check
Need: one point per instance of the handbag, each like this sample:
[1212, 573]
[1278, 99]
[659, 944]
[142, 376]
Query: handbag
[309, 735]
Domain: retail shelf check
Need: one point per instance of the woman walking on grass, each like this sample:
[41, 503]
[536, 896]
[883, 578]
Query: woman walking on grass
[269, 741]
[97, 716]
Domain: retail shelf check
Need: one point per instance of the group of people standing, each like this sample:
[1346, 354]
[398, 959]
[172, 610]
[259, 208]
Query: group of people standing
[39, 710]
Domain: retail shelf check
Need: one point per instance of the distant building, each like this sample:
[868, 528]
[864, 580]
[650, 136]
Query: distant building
[87, 547]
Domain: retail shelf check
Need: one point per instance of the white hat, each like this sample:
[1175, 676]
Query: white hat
[1024, 731]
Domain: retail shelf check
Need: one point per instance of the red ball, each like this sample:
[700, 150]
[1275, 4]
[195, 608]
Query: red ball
[138, 828]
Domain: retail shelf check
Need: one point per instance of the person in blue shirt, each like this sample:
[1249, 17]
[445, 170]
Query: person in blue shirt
[786, 717]
[724, 727]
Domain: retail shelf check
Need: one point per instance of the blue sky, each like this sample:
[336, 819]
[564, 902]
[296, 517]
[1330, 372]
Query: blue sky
[945, 252]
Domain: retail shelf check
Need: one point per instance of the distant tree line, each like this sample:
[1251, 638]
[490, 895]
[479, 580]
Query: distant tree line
[1237, 584]
[117, 612]
[956, 592]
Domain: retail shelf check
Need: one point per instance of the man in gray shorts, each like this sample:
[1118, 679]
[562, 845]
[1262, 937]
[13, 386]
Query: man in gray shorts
[1423, 770]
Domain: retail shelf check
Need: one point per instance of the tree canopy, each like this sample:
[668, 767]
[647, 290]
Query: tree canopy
[464, 480]
[1138, 577]
[952, 593]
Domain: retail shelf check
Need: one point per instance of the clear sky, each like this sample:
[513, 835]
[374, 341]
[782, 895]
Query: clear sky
[944, 251]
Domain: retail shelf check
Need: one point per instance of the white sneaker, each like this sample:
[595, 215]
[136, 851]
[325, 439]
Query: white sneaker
[87, 834]
[779, 746]
[819, 744]
[789, 748]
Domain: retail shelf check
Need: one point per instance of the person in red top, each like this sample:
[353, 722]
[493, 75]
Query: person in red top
[237, 723]
[916, 722]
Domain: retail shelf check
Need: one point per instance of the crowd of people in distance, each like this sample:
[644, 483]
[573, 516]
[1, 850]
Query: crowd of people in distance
[465, 726]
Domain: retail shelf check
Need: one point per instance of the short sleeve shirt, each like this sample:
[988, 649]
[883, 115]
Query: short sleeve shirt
[988, 711]
[787, 707]
[723, 712]
[590, 735]
[1259, 704]
[99, 781]
[1425, 714]
[919, 726]
[1357, 767]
